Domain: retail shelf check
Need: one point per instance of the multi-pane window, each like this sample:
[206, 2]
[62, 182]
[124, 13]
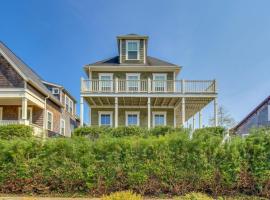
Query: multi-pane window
[133, 82]
[49, 121]
[105, 118]
[160, 82]
[132, 50]
[132, 119]
[159, 119]
[105, 82]
[62, 126]
[69, 104]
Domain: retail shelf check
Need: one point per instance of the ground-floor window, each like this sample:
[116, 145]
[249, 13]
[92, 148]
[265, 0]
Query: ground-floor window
[49, 120]
[159, 119]
[105, 118]
[62, 126]
[132, 118]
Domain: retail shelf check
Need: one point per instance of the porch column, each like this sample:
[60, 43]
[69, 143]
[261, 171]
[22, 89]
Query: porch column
[215, 113]
[149, 112]
[193, 123]
[183, 111]
[116, 112]
[200, 119]
[24, 110]
[81, 111]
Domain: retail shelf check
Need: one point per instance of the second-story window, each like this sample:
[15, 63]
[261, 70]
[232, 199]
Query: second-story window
[69, 104]
[132, 49]
[133, 82]
[105, 82]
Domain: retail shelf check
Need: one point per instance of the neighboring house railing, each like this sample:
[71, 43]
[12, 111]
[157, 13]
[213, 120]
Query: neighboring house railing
[148, 86]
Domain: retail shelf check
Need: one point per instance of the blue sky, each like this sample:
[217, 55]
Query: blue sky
[227, 40]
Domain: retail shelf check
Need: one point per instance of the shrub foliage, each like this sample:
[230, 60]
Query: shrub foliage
[15, 131]
[170, 163]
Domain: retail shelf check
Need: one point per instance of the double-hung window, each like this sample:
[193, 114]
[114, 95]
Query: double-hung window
[105, 118]
[133, 82]
[49, 120]
[105, 82]
[132, 49]
[132, 118]
[159, 82]
[62, 126]
[159, 119]
[69, 104]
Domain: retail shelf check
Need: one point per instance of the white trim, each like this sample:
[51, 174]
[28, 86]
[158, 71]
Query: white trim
[1, 113]
[144, 46]
[62, 120]
[138, 50]
[111, 79]
[69, 104]
[120, 51]
[49, 112]
[31, 114]
[55, 90]
[133, 113]
[159, 113]
[138, 82]
[165, 81]
[105, 113]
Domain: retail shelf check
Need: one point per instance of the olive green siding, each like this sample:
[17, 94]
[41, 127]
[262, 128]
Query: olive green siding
[124, 56]
[122, 116]
[143, 75]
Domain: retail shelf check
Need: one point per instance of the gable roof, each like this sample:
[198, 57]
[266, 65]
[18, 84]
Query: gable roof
[251, 113]
[132, 35]
[26, 72]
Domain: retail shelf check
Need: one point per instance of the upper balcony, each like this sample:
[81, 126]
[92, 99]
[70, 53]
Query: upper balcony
[122, 86]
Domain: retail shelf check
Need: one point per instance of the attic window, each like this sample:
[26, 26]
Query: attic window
[132, 49]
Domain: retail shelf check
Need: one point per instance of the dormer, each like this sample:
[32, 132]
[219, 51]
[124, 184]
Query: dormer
[132, 49]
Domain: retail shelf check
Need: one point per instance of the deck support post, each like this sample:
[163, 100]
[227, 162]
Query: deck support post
[183, 111]
[215, 113]
[149, 112]
[81, 111]
[200, 119]
[193, 123]
[24, 110]
[116, 112]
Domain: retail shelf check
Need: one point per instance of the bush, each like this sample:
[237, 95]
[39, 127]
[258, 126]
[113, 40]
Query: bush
[15, 131]
[128, 131]
[92, 132]
[122, 196]
[161, 130]
[195, 196]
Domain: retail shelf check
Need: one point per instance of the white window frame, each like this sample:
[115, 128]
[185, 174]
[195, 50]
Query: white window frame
[31, 113]
[62, 120]
[55, 90]
[138, 83]
[69, 104]
[159, 113]
[105, 113]
[111, 83]
[165, 81]
[1, 113]
[138, 50]
[133, 113]
[51, 129]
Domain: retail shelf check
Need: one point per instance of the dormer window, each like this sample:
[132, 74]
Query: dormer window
[55, 91]
[132, 49]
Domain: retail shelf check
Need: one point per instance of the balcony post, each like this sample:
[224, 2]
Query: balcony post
[149, 112]
[24, 110]
[200, 119]
[183, 111]
[193, 123]
[183, 86]
[215, 113]
[149, 84]
[116, 85]
[81, 111]
[116, 112]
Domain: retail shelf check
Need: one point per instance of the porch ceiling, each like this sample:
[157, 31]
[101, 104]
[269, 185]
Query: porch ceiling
[14, 102]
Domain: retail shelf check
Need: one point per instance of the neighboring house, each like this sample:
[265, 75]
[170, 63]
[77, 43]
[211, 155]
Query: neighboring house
[26, 99]
[259, 117]
[136, 89]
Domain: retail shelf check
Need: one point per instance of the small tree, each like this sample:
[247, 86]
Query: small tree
[224, 118]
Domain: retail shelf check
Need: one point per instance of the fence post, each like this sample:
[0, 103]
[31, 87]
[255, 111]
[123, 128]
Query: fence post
[116, 85]
[149, 85]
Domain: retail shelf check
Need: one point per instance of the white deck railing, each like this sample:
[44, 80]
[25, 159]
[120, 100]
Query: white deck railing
[8, 122]
[148, 86]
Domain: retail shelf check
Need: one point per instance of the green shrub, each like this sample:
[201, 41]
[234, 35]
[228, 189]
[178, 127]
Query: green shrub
[122, 196]
[122, 131]
[15, 131]
[195, 196]
[92, 132]
[161, 130]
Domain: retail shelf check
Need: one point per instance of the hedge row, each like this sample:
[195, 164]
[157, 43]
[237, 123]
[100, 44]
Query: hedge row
[15, 131]
[171, 164]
